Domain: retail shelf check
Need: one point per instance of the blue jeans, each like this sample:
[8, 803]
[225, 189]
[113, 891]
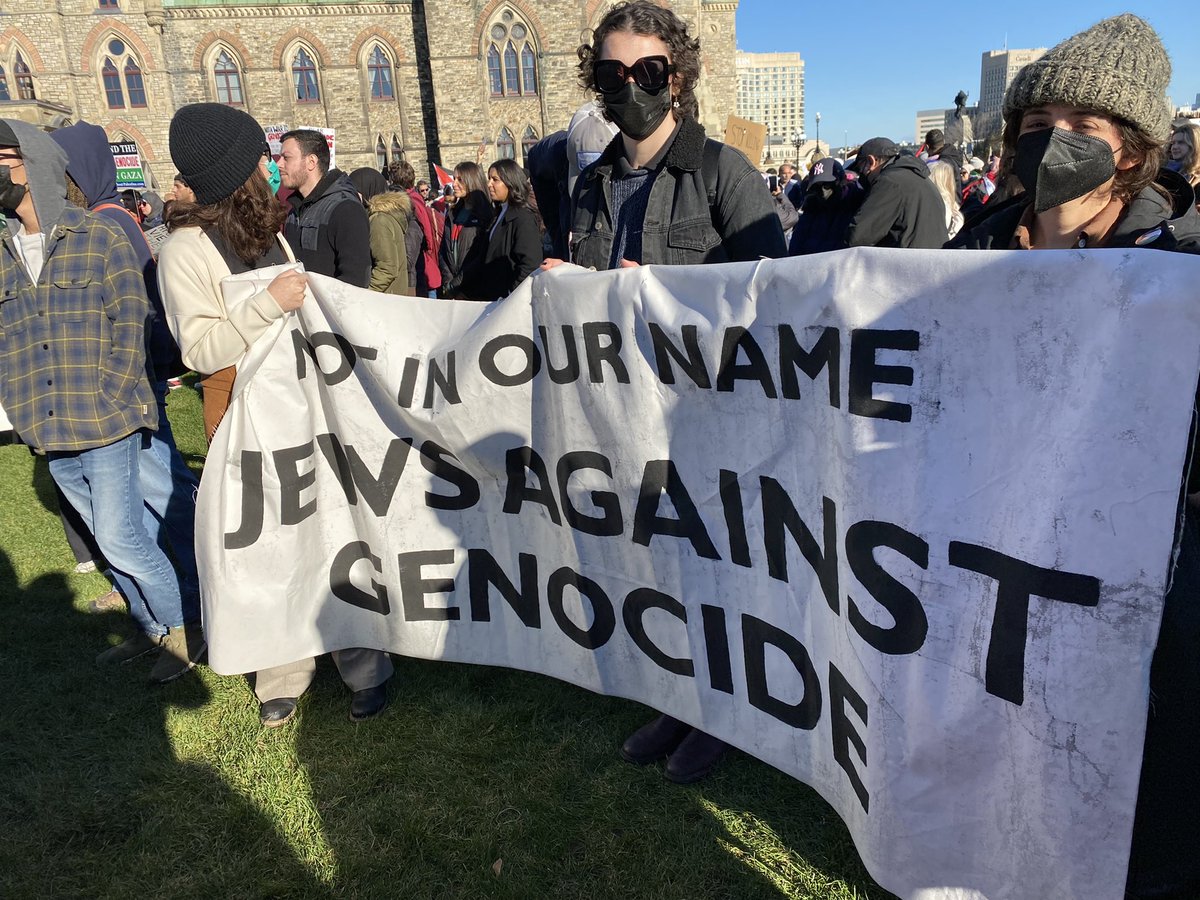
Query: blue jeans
[109, 487]
[176, 507]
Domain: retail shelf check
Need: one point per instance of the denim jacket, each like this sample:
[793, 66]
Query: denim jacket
[681, 227]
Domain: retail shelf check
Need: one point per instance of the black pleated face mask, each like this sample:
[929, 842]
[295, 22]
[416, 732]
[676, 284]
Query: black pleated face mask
[1057, 166]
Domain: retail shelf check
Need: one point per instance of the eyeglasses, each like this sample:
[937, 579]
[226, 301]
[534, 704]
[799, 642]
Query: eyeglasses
[650, 73]
[10, 158]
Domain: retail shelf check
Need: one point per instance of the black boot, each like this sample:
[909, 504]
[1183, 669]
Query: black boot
[695, 757]
[654, 741]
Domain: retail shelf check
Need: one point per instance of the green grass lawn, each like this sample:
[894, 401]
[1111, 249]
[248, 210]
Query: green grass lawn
[478, 782]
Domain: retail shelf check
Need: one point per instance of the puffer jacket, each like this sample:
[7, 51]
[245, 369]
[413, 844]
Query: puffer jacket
[389, 213]
[681, 227]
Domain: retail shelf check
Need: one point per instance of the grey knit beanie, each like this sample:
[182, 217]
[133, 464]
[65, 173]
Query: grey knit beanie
[216, 148]
[1118, 67]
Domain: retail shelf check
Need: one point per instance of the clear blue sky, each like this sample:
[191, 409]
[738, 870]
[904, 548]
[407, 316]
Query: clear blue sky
[868, 67]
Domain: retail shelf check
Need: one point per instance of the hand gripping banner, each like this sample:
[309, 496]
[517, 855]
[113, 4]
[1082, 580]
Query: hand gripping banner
[896, 522]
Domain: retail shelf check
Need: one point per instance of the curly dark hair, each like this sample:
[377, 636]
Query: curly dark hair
[248, 219]
[1136, 143]
[644, 17]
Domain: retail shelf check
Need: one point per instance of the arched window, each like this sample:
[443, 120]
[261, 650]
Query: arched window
[379, 74]
[24, 78]
[228, 80]
[304, 78]
[4, 85]
[109, 4]
[112, 84]
[495, 79]
[511, 57]
[380, 153]
[528, 139]
[134, 83]
[512, 72]
[529, 69]
[505, 147]
[397, 150]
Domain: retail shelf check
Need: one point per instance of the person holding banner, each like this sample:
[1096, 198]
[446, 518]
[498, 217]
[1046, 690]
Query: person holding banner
[234, 227]
[1084, 134]
[662, 193]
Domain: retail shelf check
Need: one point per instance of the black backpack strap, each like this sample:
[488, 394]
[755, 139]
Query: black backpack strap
[708, 168]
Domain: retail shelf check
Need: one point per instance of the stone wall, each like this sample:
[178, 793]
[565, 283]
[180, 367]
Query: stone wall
[443, 106]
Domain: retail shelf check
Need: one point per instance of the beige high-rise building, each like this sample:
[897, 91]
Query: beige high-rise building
[433, 81]
[770, 91]
[996, 72]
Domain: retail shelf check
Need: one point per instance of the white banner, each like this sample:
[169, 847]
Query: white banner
[897, 522]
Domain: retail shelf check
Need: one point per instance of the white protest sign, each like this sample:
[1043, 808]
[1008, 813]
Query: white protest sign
[330, 139]
[897, 522]
[274, 135]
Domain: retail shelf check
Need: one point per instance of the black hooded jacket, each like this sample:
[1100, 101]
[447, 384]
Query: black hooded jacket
[329, 231]
[902, 209]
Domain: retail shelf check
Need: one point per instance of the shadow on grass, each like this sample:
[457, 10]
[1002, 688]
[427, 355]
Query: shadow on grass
[484, 782]
[90, 783]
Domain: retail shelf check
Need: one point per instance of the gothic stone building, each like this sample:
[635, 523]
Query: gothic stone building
[427, 80]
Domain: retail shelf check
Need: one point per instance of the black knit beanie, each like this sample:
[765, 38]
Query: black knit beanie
[216, 148]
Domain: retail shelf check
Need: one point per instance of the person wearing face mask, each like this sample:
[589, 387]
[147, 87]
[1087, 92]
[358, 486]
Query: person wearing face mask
[830, 202]
[1084, 134]
[77, 387]
[661, 193]
[902, 208]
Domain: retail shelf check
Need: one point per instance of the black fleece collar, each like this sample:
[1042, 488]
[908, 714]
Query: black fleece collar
[686, 152]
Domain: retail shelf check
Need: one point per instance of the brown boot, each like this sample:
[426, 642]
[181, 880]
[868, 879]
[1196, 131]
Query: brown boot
[182, 647]
[110, 602]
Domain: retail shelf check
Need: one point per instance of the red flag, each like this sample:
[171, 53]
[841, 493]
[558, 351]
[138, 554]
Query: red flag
[444, 178]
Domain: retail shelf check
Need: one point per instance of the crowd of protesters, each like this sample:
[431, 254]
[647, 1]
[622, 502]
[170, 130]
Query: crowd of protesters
[107, 298]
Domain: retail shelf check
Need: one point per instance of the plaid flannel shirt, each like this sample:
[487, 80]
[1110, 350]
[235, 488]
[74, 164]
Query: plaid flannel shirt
[73, 347]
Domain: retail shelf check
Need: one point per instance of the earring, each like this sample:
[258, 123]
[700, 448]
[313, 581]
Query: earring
[675, 103]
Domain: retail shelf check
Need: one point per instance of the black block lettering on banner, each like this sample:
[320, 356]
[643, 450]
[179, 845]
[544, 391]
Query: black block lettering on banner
[604, 618]
[780, 515]
[716, 647]
[344, 589]
[293, 482]
[756, 635]
[735, 518]
[729, 372]
[660, 476]
[692, 363]
[602, 341]
[517, 462]
[485, 573]
[844, 732]
[570, 370]
[439, 461]
[348, 355]
[637, 603]
[825, 354]
[865, 373]
[610, 522]
[446, 381]
[408, 382]
[252, 502]
[911, 624]
[491, 371]
[414, 587]
[1016, 582]
[356, 477]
